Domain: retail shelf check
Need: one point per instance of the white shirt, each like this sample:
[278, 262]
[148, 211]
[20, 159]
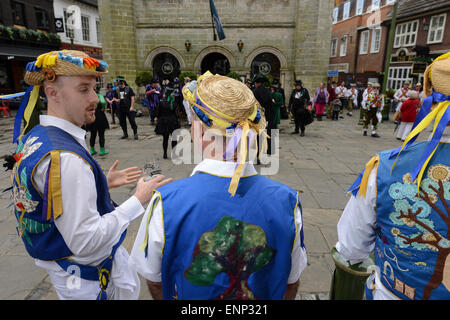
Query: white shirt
[401, 95]
[341, 92]
[88, 235]
[150, 267]
[356, 229]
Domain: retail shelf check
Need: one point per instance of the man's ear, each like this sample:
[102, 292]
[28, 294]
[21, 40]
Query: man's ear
[51, 91]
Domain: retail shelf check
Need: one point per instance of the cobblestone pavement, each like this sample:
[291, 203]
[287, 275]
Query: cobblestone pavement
[322, 165]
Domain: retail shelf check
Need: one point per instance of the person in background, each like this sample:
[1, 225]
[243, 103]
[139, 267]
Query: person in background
[126, 108]
[352, 96]
[166, 119]
[99, 125]
[332, 92]
[153, 94]
[187, 109]
[297, 105]
[320, 100]
[112, 100]
[337, 105]
[278, 102]
[341, 93]
[408, 111]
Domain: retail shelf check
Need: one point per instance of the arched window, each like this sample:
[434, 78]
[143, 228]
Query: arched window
[267, 64]
[216, 63]
[166, 66]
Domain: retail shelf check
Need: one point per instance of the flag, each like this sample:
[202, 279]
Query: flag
[216, 20]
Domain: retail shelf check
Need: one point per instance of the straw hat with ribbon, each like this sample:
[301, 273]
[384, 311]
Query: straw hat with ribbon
[435, 107]
[48, 67]
[229, 106]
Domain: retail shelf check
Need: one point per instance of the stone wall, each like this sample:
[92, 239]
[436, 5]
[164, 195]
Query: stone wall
[296, 31]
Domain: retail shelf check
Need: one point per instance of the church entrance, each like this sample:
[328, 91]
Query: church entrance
[166, 66]
[216, 63]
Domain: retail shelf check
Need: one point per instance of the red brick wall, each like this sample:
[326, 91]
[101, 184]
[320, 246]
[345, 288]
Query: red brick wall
[93, 52]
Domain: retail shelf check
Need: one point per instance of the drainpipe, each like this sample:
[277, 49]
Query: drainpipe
[387, 62]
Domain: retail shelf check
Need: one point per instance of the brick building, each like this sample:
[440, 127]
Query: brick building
[422, 34]
[359, 40]
[27, 29]
[283, 38]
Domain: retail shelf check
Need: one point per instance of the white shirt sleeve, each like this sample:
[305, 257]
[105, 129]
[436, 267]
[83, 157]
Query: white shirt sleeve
[88, 235]
[356, 227]
[299, 259]
[149, 267]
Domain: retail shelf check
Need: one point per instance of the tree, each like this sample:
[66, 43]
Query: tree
[143, 78]
[413, 210]
[234, 247]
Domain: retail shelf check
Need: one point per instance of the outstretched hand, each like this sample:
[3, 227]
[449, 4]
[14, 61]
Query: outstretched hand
[117, 178]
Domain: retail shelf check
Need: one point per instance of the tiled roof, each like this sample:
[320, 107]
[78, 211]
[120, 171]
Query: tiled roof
[408, 8]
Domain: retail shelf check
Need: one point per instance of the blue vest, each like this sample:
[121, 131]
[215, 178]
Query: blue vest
[222, 247]
[412, 232]
[40, 235]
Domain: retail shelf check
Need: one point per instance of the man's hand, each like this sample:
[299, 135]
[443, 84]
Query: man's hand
[123, 177]
[155, 289]
[144, 189]
[291, 291]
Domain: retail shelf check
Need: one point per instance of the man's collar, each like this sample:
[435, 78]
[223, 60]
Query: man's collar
[223, 169]
[62, 124]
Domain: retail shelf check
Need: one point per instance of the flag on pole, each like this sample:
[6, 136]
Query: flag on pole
[216, 20]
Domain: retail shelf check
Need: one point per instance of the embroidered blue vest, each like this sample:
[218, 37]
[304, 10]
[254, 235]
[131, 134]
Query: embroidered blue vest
[412, 235]
[41, 237]
[222, 247]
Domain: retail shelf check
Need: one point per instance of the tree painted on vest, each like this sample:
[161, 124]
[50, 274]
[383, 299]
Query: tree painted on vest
[413, 211]
[234, 247]
[22, 199]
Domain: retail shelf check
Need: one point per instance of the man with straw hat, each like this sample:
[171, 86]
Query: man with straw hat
[225, 232]
[372, 104]
[67, 219]
[400, 206]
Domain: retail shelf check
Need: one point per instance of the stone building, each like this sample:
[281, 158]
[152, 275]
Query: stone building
[288, 39]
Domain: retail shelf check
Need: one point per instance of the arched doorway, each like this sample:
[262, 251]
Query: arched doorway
[216, 63]
[267, 64]
[166, 66]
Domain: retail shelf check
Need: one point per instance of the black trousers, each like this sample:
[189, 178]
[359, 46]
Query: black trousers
[101, 137]
[166, 142]
[131, 115]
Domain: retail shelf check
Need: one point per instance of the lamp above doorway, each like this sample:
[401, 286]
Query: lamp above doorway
[187, 44]
[240, 45]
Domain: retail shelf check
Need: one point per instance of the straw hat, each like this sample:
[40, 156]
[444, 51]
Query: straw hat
[228, 98]
[437, 76]
[63, 63]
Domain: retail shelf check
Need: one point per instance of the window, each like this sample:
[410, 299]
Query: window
[376, 40]
[375, 4]
[359, 6]
[364, 44]
[18, 13]
[346, 13]
[343, 47]
[397, 76]
[334, 43]
[42, 20]
[97, 28]
[436, 31]
[406, 34]
[85, 28]
[390, 1]
[335, 14]
[69, 31]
